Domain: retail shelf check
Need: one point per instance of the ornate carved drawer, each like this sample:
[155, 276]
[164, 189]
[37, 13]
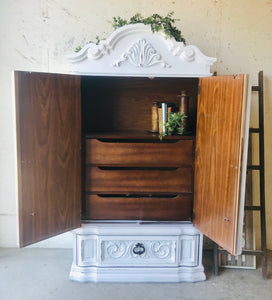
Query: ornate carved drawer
[150, 251]
[136, 249]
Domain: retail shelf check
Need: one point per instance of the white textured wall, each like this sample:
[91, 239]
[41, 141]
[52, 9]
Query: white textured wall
[35, 36]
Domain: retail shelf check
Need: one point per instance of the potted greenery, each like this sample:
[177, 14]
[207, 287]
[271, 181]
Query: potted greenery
[174, 124]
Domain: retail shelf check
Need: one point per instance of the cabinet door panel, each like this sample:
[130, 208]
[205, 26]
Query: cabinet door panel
[219, 147]
[48, 112]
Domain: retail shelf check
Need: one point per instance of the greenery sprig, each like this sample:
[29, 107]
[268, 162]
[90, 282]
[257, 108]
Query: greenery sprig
[157, 23]
[96, 42]
[174, 124]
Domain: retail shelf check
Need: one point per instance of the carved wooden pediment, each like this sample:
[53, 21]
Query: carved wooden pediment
[134, 50]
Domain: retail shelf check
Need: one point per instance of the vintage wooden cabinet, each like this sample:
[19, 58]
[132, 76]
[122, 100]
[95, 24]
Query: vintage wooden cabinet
[86, 159]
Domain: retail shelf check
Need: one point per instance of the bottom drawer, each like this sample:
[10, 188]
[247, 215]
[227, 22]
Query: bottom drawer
[139, 251]
[133, 245]
[158, 208]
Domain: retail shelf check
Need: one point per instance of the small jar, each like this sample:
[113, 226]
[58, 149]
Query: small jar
[164, 117]
[171, 107]
[184, 107]
[155, 117]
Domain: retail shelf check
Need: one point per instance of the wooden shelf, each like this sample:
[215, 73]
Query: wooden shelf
[136, 135]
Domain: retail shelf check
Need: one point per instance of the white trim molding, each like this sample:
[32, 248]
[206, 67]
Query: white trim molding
[134, 50]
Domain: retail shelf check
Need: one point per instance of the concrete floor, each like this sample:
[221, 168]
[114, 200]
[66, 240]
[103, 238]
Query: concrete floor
[42, 274]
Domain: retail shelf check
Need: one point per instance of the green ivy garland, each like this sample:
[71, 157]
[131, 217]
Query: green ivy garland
[157, 23]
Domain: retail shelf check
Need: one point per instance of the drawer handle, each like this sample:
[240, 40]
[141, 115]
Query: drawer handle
[136, 168]
[149, 196]
[139, 249]
[134, 141]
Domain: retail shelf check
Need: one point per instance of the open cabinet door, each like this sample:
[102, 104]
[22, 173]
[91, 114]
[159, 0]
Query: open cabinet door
[220, 166]
[48, 116]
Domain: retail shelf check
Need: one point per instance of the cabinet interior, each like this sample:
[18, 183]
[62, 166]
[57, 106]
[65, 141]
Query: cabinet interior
[114, 104]
[116, 114]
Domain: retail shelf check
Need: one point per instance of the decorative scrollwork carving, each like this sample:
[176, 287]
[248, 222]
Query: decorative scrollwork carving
[116, 249]
[142, 54]
[147, 249]
[161, 249]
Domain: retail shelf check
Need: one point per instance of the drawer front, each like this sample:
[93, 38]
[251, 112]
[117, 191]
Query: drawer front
[139, 251]
[103, 207]
[139, 246]
[168, 154]
[124, 180]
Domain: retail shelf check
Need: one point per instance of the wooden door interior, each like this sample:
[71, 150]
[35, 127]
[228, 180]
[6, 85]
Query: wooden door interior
[48, 113]
[219, 148]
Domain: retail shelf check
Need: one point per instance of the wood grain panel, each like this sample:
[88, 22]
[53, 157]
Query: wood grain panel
[179, 153]
[124, 103]
[138, 181]
[178, 208]
[219, 142]
[48, 109]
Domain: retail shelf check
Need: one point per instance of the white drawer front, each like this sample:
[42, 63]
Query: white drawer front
[139, 251]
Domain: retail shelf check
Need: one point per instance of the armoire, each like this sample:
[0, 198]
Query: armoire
[87, 161]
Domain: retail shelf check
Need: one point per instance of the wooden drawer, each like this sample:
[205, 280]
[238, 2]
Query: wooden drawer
[121, 207]
[137, 180]
[171, 153]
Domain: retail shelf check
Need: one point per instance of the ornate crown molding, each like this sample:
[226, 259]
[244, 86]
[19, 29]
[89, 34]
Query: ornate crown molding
[136, 50]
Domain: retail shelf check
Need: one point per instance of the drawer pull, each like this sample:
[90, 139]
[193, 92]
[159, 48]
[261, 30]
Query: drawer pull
[137, 168]
[139, 249]
[142, 141]
[147, 196]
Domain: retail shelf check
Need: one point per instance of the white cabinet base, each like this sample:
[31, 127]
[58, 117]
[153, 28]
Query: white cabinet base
[137, 252]
[137, 274]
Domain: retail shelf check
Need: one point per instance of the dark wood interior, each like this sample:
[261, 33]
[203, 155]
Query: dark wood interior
[111, 104]
[138, 176]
